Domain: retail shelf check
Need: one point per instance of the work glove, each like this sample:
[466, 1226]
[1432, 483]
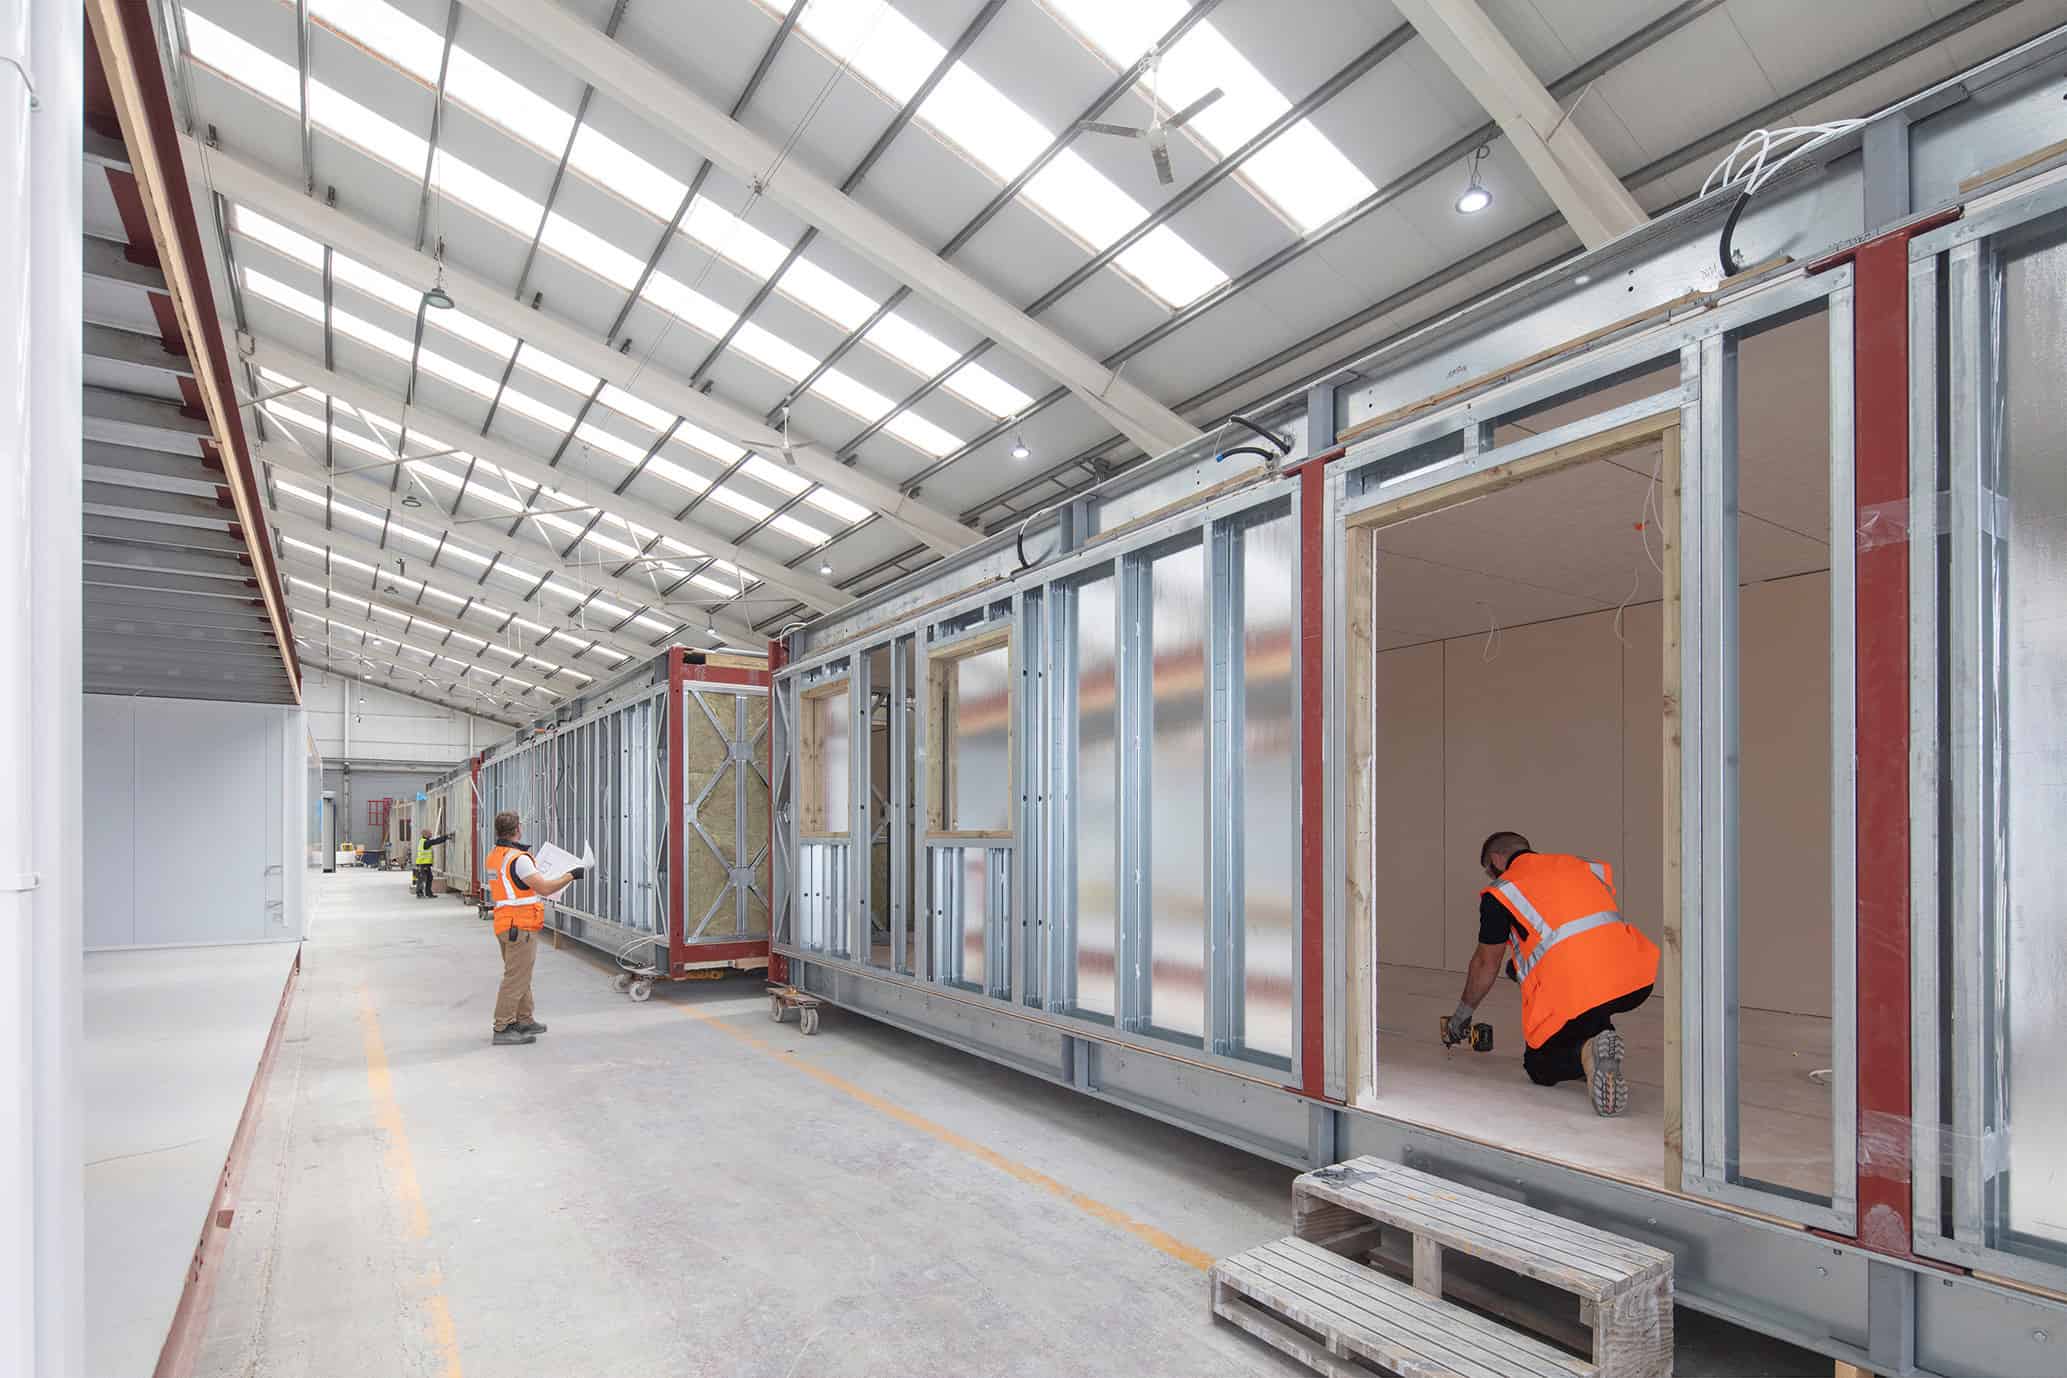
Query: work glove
[1457, 1028]
[580, 873]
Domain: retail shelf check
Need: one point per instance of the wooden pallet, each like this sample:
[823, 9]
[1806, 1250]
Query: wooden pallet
[1329, 1312]
[1624, 1288]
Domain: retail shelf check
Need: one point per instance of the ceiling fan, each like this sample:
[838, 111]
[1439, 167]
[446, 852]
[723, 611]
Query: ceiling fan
[1158, 131]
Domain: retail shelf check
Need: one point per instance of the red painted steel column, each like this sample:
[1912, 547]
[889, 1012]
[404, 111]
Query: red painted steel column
[475, 890]
[677, 857]
[778, 656]
[1312, 797]
[1880, 326]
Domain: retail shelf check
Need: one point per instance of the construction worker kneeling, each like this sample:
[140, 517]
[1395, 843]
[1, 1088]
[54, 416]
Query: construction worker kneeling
[518, 893]
[1553, 922]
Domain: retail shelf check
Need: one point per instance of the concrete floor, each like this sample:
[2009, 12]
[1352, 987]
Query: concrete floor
[682, 1187]
[173, 1036]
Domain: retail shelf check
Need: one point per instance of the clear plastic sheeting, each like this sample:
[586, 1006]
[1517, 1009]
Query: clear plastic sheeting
[1173, 909]
[979, 741]
[1268, 563]
[1094, 612]
[2023, 943]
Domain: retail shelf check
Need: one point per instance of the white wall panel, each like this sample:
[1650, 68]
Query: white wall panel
[195, 823]
[359, 721]
[109, 790]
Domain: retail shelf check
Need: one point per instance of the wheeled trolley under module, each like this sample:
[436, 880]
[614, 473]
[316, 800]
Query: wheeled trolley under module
[782, 999]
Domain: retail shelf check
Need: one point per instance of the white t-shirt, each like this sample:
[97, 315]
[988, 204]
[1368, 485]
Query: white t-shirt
[523, 870]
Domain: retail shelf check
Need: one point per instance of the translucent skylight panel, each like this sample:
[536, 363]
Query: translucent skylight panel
[825, 500]
[557, 370]
[889, 49]
[896, 56]
[916, 430]
[610, 164]
[245, 63]
[1300, 172]
[645, 413]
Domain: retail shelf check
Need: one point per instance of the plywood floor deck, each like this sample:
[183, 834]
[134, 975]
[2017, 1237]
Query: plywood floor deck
[1785, 1116]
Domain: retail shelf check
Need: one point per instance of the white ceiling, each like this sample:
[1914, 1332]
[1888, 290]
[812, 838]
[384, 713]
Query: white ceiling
[1747, 54]
[1588, 538]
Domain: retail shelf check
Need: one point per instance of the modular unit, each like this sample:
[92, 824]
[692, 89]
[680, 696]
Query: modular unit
[451, 807]
[1172, 793]
[663, 773]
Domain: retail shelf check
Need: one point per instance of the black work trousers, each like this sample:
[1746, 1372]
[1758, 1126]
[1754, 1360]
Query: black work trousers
[423, 881]
[1558, 1059]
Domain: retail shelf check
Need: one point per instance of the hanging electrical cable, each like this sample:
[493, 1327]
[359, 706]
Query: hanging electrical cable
[1757, 159]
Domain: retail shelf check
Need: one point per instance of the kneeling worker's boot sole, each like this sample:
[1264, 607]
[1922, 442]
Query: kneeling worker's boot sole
[504, 1037]
[1605, 1082]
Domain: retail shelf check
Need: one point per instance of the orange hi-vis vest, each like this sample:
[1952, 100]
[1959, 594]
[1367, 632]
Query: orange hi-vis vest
[515, 906]
[1578, 952]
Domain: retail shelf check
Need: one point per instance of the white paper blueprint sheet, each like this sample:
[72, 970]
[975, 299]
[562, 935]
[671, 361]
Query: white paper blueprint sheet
[557, 861]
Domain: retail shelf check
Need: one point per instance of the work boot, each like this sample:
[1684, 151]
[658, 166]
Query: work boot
[530, 1026]
[1602, 1057]
[515, 1033]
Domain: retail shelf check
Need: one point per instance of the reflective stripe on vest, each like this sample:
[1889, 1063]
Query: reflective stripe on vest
[503, 889]
[1546, 936]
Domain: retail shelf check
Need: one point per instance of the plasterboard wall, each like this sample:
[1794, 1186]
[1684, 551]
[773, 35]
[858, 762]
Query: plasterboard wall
[195, 827]
[359, 721]
[1554, 729]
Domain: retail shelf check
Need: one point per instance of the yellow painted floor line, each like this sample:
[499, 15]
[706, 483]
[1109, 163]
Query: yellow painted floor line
[1111, 1215]
[416, 1220]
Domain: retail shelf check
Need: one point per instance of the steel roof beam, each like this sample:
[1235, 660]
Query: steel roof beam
[345, 669]
[135, 349]
[970, 33]
[304, 605]
[1006, 195]
[667, 236]
[162, 535]
[522, 464]
[485, 542]
[107, 260]
[673, 108]
[387, 565]
[99, 551]
[1344, 78]
[1564, 160]
[247, 184]
[324, 604]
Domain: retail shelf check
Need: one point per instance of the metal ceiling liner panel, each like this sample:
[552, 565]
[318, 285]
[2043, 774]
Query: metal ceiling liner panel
[663, 772]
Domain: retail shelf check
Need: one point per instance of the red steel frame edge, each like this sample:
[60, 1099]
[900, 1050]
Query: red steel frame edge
[1880, 444]
[1312, 795]
[778, 657]
[677, 855]
[681, 953]
[1880, 412]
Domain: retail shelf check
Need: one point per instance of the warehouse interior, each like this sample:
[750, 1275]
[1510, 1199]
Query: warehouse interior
[1021, 546]
[1519, 656]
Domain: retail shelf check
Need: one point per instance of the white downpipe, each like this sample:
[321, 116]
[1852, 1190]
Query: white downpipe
[41, 1268]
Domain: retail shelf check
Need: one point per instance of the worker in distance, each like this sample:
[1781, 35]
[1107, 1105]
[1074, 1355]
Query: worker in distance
[1553, 922]
[518, 893]
[425, 859]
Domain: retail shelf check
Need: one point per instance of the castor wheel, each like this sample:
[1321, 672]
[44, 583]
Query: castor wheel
[621, 982]
[808, 1022]
[641, 989]
[775, 1008]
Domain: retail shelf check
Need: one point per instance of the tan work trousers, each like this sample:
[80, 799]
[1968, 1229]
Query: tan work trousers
[513, 998]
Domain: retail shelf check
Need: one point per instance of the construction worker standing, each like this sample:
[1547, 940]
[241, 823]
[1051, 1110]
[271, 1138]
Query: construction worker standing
[518, 893]
[425, 859]
[1554, 921]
